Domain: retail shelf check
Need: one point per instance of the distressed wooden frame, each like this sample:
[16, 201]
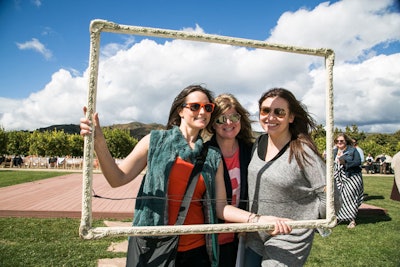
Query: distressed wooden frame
[86, 231]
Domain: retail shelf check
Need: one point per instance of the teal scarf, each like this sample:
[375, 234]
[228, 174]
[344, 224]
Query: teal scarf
[165, 146]
[151, 205]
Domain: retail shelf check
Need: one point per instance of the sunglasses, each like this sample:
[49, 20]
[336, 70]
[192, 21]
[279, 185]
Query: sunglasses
[209, 107]
[279, 112]
[340, 141]
[224, 118]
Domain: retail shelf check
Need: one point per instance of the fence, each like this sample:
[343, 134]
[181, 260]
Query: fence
[36, 162]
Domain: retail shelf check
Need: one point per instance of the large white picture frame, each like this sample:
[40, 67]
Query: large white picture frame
[86, 231]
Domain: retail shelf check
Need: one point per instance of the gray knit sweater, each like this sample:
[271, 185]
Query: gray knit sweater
[286, 191]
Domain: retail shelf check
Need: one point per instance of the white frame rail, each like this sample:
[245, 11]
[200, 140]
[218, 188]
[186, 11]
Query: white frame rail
[86, 231]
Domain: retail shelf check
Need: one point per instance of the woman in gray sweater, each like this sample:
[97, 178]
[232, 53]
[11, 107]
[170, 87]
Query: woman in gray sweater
[286, 178]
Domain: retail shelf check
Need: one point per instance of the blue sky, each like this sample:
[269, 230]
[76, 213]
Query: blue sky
[45, 51]
[62, 27]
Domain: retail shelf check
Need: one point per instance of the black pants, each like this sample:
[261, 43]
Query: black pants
[227, 254]
[197, 257]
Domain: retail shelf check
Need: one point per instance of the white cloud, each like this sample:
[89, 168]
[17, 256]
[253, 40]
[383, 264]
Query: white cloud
[60, 102]
[366, 94]
[351, 28]
[111, 49]
[197, 29]
[37, 46]
[137, 82]
[37, 3]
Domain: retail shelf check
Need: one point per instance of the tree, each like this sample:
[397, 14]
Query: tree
[321, 144]
[354, 133]
[319, 137]
[38, 144]
[3, 141]
[372, 147]
[119, 142]
[18, 143]
[319, 131]
[57, 143]
[75, 145]
[387, 143]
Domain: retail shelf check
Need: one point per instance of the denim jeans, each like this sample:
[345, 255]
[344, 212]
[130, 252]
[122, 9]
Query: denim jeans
[252, 259]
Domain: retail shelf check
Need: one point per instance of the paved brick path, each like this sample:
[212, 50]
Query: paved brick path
[62, 197]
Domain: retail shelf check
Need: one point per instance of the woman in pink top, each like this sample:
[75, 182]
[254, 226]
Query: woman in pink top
[233, 135]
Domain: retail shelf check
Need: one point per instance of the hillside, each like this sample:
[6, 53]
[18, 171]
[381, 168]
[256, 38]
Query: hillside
[137, 129]
[67, 128]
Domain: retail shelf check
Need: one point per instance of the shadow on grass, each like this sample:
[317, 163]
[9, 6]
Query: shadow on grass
[369, 219]
[367, 216]
[366, 219]
[368, 197]
[374, 214]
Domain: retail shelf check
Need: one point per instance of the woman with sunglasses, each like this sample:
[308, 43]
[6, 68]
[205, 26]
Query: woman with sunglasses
[233, 136]
[348, 177]
[169, 156]
[287, 178]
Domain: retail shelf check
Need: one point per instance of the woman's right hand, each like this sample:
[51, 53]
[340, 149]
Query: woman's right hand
[86, 125]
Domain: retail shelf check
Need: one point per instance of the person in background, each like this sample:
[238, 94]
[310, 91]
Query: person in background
[360, 151]
[233, 136]
[369, 160]
[383, 164]
[287, 177]
[169, 156]
[348, 176]
[17, 161]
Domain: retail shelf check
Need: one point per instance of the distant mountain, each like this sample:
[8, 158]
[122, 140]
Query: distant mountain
[136, 129]
[68, 128]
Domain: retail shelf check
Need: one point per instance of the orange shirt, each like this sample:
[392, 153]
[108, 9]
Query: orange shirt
[178, 180]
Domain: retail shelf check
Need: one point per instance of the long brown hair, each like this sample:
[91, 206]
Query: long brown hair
[174, 119]
[301, 126]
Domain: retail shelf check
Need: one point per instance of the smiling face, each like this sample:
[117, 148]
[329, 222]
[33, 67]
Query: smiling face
[275, 116]
[340, 142]
[196, 119]
[228, 124]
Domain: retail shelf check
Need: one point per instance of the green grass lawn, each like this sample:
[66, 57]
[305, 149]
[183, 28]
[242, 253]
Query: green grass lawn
[55, 242]
[50, 242]
[374, 242]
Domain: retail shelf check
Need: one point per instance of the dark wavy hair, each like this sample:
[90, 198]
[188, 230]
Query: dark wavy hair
[174, 119]
[301, 127]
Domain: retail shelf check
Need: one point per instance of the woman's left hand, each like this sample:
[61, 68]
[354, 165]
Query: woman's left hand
[281, 228]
